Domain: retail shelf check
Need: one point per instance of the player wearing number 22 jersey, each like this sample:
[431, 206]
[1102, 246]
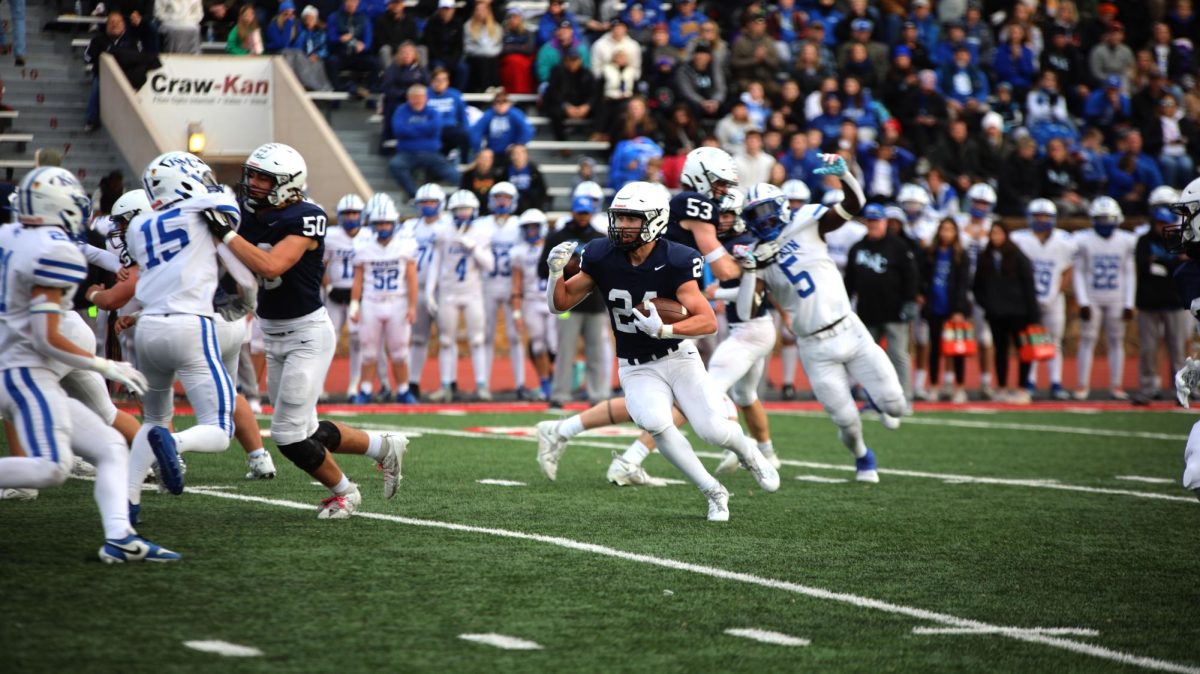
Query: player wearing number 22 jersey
[658, 369]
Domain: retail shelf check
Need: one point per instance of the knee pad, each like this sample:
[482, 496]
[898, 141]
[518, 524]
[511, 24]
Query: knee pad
[743, 396]
[657, 424]
[476, 340]
[844, 417]
[307, 455]
[446, 340]
[721, 432]
[328, 435]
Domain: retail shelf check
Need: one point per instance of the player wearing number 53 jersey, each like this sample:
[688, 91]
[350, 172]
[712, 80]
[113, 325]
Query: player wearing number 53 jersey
[834, 344]
[1105, 289]
[1051, 251]
[497, 285]
[658, 369]
[282, 240]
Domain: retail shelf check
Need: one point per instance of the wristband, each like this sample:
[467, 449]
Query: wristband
[666, 331]
[516, 314]
[713, 256]
[354, 306]
[91, 297]
[228, 237]
[845, 215]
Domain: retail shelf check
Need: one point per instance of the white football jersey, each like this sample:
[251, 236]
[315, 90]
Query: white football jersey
[973, 244]
[923, 229]
[806, 281]
[177, 256]
[498, 281]
[841, 240]
[1104, 268]
[339, 254]
[384, 267]
[32, 256]
[1049, 259]
[459, 272]
[525, 257]
[424, 233]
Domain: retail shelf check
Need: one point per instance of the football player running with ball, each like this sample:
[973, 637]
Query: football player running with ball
[1186, 239]
[658, 368]
[834, 344]
[281, 238]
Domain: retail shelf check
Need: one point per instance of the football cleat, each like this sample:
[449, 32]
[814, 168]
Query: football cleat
[394, 447]
[987, 393]
[729, 463]
[551, 446]
[718, 503]
[82, 469]
[625, 474]
[134, 548]
[1081, 394]
[17, 494]
[1059, 393]
[339, 507]
[261, 468]
[362, 398]
[1118, 394]
[170, 468]
[788, 392]
[764, 473]
[483, 394]
[442, 395]
[959, 396]
[406, 398]
[865, 467]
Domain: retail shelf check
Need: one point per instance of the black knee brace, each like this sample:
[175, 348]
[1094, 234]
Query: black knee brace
[308, 454]
[328, 435]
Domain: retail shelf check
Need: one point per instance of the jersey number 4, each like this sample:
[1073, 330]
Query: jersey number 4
[168, 242]
[623, 315]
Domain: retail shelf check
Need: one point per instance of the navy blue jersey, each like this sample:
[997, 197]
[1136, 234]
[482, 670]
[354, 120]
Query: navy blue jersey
[731, 315]
[298, 292]
[1187, 282]
[690, 206]
[624, 286]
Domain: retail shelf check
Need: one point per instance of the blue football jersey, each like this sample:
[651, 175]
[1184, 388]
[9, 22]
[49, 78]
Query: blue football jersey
[731, 314]
[624, 286]
[298, 292]
[1187, 282]
[690, 206]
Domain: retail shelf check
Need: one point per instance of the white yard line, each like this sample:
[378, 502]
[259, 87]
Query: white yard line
[1065, 631]
[502, 483]
[821, 479]
[750, 579]
[223, 648]
[1147, 480]
[766, 636]
[502, 641]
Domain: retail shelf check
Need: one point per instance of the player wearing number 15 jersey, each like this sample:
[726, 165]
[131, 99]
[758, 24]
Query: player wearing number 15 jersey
[282, 240]
[658, 369]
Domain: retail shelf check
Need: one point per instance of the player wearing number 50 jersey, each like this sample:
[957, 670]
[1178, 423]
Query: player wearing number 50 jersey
[463, 257]
[431, 214]
[281, 239]
[834, 344]
[382, 300]
[1105, 289]
[1052, 252]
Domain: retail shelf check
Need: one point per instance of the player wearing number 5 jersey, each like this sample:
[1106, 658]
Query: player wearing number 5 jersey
[281, 239]
[1105, 289]
[834, 344]
[497, 284]
[382, 300]
[176, 336]
[658, 368]
[431, 208]
[1051, 251]
[463, 257]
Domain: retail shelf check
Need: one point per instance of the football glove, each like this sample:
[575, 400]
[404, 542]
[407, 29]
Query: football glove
[560, 255]
[122, 373]
[651, 324]
[834, 166]
[220, 224]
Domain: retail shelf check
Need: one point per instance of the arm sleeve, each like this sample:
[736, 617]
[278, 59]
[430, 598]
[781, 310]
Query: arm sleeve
[1080, 278]
[106, 260]
[745, 294]
[40, 323]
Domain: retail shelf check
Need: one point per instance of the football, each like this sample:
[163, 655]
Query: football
[669, 311]
[572, 267]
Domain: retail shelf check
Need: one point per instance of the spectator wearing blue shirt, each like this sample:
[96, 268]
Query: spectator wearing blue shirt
[449, 103]
[397, 79]
[1131, 174]
[556, 14]
[883, 164]
[956, 36]
[312, 39]
[859, 106]
[1107, 107]
[641, 18]
[418, 131]
[283, 30]
[826, 14]
[1015, 63]
[965, 85]
[349, 44]
[829, 122]
[501, 127]
[927, 24]
[685, 27]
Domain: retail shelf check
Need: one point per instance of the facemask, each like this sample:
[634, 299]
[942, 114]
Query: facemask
[428, 211]
[1041, 225]
[1105, 230]
[502, 209]
[978, 213]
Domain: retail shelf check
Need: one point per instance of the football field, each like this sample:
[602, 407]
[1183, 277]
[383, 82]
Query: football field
[996, 541]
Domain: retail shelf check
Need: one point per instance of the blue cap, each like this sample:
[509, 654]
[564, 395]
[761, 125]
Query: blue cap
[861, 24]
[582, 204]
[874, 212]
[1113, 81]
[1163, 214]
[901, 50]
[286, 5]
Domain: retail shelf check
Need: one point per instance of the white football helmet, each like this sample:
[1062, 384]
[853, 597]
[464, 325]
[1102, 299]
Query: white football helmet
[648, 202]
[1163, 195]
[350, 202]
[1106, 215]
[533, 224]
[706, 169]
[429, 192]
[374, 203]
[911, 193]
[129, 205]
[982, 192]
[284, 166]
[796, 190]
[506, 188]
[1187, 206]
[732, 203]
[461, 201]
[383, 218]
[1042, 214]
[765, 212]
[50, 195]
[175, 176]
[590, 189]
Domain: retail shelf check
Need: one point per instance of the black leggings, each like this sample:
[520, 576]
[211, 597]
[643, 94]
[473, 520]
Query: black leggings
[1004, 332]
[936, 323]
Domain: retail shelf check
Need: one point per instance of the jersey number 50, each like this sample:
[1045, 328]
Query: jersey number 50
[314, 225]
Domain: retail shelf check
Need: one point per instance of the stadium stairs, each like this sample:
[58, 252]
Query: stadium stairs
[49, 95]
